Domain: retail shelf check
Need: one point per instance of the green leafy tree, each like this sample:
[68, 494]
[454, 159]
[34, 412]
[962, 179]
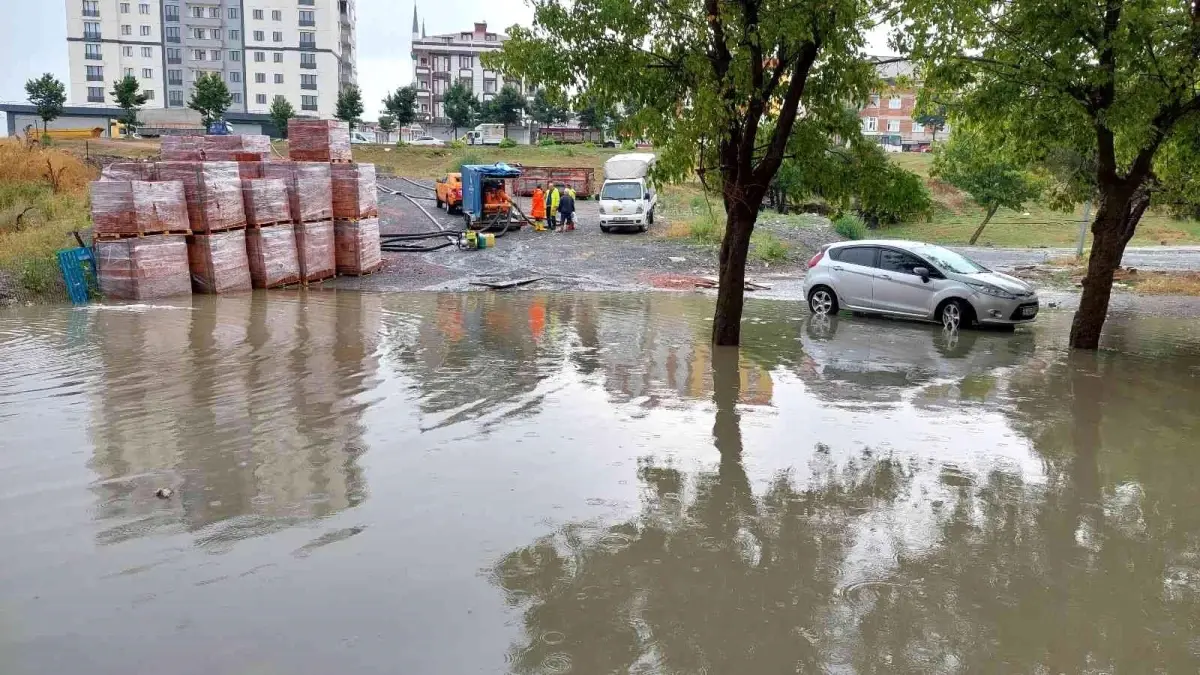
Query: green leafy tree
[489, 112]
[126, 92]
[968, 162]
[508, 106]
[934, 120]
[349, 105]
[48, 95]
[401, 105]
[715, 86]
[548, 108]
[387, 124]
[210, 97]
[1117, 81]
[281, 111]
[594, 116]
[460, 105]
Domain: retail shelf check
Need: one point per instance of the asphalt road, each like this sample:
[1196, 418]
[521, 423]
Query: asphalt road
[1158, 258]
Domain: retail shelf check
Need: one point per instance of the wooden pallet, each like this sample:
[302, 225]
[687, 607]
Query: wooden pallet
[373, 214]
[229, 228]
[319, 279]
[257, 226]
[112, 236]
[290, 281]
[364, 273]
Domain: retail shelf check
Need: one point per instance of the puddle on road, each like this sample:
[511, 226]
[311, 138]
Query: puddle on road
[440, 483]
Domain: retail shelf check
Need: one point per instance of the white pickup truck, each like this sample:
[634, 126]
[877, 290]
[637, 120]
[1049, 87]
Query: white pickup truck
[628, 198]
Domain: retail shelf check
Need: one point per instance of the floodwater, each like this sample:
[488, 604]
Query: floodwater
[526, 483]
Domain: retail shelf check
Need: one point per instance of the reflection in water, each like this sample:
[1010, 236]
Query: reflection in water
[837, 495]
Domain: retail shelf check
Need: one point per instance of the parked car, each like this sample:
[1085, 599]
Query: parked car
[426, 140]
[913, 280]
[358, 137]
[449, 192]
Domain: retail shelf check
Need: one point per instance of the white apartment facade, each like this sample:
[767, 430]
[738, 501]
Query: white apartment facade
[303, 50]
[441, 60]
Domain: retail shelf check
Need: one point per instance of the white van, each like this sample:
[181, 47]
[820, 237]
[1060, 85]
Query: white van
[485, 134]
[360, 137]
[628, 198]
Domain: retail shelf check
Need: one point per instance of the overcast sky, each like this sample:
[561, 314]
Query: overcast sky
[33, 39]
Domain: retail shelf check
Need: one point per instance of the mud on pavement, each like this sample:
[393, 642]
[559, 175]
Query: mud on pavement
[585, 259]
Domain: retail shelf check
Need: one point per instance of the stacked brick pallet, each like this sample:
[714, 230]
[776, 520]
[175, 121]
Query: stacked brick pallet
[217, 215]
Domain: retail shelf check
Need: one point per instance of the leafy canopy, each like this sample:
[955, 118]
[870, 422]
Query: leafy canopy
[349, 105]
[971, 164]
[509, 105]
[128, 97]
[210, 97]
[460, 105]
[48, 95]
[387, 124]
[402, 105]
[280, 112]
[548, 108]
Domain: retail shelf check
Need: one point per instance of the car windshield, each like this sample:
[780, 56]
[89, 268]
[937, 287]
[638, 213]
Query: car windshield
[949, 261]
[622, 191]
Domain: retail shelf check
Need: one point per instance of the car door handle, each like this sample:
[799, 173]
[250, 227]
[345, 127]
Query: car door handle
[839, 268]
[884, 276]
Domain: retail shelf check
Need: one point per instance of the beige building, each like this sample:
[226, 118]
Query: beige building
[441, 60]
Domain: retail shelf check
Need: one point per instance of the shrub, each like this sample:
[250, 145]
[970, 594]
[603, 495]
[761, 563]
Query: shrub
[705, 230]
[768, 248]
[469, 158]
[546, 142]
[850, 226]
[627, 145]
[401, 144]
[457, 144]
[508, 143]
[589, 144]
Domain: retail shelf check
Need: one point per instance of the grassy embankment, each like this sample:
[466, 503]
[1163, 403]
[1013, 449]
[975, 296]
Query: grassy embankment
[36, 220]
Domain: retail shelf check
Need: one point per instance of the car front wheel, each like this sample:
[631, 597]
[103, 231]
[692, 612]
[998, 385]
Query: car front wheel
[955, 315]
[822, 300]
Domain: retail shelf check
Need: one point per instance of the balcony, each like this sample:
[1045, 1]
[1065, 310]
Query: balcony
[307, 23]
[311, 65]
[173, 38]
[93, 36]
[92, 13]
[306, 106]
[308, 45]
[174, 60]
[309, 3]
[95, 78]
[93, 98]
[308, 85]
[93, 56]
[178, 82]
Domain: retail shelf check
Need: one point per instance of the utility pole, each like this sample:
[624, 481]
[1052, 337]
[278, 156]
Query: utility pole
[1083, 223]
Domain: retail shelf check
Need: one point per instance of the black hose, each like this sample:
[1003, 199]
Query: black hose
[414, 249]
[418, 235]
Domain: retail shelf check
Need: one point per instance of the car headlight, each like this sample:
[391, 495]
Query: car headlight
[639, 209]
[993, 291]
[602, 211]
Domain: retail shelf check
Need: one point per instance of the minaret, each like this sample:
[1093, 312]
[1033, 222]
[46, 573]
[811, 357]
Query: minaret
[422, 29]
[416, 25]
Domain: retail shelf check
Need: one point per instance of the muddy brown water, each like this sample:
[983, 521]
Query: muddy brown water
[528, 483]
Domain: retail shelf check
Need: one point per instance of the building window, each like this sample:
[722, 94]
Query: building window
[143, 8]
[91, 8]
[91, 30]
[198, 12]
[95, 94]
[893, 125]
[144, 31]
[894, 103]
[149, 94]
[308, 81]
[172, 33]
[171, 12]
[308, 40]
[199, 55]
[174, 98]
[214, 12]
[917, 127]
[874, 102]
[95, 73]
[147, 52]
[216, 55]
[278, 78]
[259, 35]
[235, 76]
[126, 29]
[235, 56]
[147, 73]
[124, 7]
[308, 60]
[127, 50]
[260, 78]
[277, 36]
[237, 97]
[466, 62]
[308, 102]
[129, 72]
[307, 17]
[465, 36]
[489, 86]
[258, 14]
[260, 57]
[871, 124]
[233, 12]
[260, 99]
[490, 37]
[174, 77]
[278, 57]
[466, 82]
[235, 35]
[276, 15]
[174, 55]
[198, 33]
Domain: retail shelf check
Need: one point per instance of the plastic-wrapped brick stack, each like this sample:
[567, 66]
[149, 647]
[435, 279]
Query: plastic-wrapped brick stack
[270, 238]
[218, 262]
[266, 201]
[319, 140]
[125, 208]
[214, 193]
[310, 191]
[128, 171]
[249, 147]
[182, 148]
[143, 268]
[315, 250]
[356, 213]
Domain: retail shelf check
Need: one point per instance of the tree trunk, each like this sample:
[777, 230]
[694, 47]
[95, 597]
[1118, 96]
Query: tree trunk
[727, 321]
[1116, 219]
[979, 230]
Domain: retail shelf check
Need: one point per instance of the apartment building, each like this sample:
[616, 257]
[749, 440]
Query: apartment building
[888, 114]
[303, 50]
[440, 60]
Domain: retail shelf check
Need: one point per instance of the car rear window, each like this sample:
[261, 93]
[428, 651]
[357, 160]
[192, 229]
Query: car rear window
[855, 255]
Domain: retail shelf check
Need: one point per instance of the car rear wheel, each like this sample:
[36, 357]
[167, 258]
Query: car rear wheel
[822, 300]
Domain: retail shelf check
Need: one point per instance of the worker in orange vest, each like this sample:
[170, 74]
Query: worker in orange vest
[537, 211]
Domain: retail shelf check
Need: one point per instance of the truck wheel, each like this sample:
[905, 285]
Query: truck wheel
[605, 229]
[439, 202]
[650, 218]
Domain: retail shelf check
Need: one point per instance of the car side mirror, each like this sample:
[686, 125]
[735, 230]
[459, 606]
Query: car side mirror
[647, 196]
[922, 272]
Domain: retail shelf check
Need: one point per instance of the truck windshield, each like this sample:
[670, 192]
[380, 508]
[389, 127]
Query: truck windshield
[627, 190]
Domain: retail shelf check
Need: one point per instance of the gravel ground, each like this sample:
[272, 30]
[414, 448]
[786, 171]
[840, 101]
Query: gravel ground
[585, 259]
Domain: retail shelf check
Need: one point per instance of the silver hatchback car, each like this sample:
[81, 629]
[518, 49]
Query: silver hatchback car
[914, 280]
